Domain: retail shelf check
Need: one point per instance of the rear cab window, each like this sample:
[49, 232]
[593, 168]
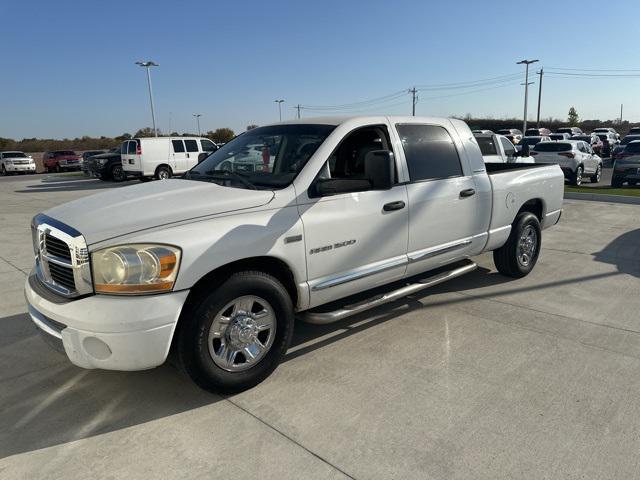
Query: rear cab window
[487, 145]
[553, 147]
[429, 151]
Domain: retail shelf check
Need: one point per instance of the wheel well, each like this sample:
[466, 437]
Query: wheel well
[163, 165]
[270, 265]
[534, 206]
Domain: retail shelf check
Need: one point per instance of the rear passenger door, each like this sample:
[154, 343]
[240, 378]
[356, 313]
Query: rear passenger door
[191, 157]
[444, 222]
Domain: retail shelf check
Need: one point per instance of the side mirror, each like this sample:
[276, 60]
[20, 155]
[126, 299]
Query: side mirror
[379, 168]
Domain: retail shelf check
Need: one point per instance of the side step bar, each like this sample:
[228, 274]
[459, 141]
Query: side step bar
[321, 318]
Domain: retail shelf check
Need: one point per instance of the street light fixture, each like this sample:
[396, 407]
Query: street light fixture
[148, 64]
[279, 102]
[526, 89]
[198, 115]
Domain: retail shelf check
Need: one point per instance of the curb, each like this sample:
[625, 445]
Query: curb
[600, 197]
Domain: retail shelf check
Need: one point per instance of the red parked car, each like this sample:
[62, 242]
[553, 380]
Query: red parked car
[61, 160]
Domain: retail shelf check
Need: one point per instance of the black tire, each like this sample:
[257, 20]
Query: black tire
[576, 177]
[506, 258]
[616, 182]
[192, 344]
[117, 173]
[3, 171]
[598, 175]
[163, 172]
[57, 168]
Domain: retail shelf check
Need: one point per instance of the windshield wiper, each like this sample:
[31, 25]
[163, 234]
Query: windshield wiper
[226, 175]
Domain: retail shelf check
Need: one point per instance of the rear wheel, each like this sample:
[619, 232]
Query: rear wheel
[163, 173]
[517, 257]
[598, 175]
[235, 335]
[577, 176]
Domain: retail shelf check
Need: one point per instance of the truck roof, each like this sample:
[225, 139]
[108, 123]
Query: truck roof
[338, 120]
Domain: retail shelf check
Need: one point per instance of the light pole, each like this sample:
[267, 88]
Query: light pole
[148, 65]
[198, 115]
[526, 89]
[279, 102]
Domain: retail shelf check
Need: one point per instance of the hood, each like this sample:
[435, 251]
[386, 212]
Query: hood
[140, 207]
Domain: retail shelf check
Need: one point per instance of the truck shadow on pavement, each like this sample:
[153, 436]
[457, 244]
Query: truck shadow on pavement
[46, 401]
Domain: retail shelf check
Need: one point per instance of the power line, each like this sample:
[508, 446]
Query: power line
[594, 69]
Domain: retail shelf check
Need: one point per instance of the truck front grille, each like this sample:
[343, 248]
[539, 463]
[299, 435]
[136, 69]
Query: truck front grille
[62, 257]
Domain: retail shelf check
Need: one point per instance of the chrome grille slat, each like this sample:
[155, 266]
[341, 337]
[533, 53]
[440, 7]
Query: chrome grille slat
[57, 247]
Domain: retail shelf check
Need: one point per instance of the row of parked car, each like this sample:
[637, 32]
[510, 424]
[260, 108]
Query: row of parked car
[578, 154]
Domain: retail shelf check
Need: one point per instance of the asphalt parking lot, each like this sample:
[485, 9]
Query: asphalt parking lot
[483, 377]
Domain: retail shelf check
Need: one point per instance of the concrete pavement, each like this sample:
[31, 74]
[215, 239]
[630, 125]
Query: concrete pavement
[482, 378]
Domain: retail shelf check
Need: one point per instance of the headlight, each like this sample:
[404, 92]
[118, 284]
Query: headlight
[102, 161]
[135, 269]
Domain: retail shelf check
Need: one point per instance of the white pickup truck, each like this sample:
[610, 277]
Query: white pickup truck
[216, 266]
[499, 149]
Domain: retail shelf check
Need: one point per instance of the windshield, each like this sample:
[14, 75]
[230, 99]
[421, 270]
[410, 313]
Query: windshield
[629, 138]
[487, 145]
[552, 147]
[14, 155]
[265, 157]
[530, 140]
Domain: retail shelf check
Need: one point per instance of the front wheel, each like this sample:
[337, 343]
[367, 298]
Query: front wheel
[598, 175]
[577, 176]
[517, 257]
[117, 173]
[234, 337]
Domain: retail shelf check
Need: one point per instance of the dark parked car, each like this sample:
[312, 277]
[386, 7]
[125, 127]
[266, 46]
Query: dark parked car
[620, 148]
[627, 166]
[85, 159]
[107, 166]
[634, 131]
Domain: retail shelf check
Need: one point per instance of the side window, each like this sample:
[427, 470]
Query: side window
[123, 147]
[430, 152]
[131, 149]
[509, 149]
[208, 146]
[192, 145]
[178, 146]
[347, 161]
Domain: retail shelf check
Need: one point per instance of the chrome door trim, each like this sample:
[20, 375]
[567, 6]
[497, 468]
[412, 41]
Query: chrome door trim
[360, 273]
[438, 250]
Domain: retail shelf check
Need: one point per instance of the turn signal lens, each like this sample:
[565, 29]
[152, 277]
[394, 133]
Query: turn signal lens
[135, 269]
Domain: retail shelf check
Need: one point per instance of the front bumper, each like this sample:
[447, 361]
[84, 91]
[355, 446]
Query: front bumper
[20, 168]
[109, 332]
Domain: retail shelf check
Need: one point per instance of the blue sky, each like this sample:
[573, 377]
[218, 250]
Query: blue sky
[68, 66]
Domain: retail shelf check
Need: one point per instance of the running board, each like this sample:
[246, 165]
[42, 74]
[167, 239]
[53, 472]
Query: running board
[321, 318]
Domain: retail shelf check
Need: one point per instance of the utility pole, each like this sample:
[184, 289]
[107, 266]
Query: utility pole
[621, 114]
[169, 123]
[279, 102]
[413, 91]
[526, 89]
[541, 72]
[298, 107]
[198, 115]
[148, 66]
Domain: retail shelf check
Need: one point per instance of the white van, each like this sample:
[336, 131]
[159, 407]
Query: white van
[163, 157]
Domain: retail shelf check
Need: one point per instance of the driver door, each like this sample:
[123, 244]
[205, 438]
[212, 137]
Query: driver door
[355, 240]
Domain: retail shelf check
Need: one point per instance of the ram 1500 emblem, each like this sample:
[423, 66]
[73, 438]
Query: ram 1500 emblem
[326, 248]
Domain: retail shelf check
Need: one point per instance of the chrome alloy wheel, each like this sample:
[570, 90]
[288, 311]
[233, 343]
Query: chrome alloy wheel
[527, 245]
[579, 176]
[242, 333]
[599, 173]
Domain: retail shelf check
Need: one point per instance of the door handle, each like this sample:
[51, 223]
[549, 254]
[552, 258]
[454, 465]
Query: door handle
[468, 192]
[399, 205]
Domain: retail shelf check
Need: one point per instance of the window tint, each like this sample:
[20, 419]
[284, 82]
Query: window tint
[487, 145]
[208, 146]
[178, 146]
[508, 147]
[123, 147]
[553, 147]
[192, 145]
[131, 148]
[633, 147]
[347, 161]
[429, 151]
